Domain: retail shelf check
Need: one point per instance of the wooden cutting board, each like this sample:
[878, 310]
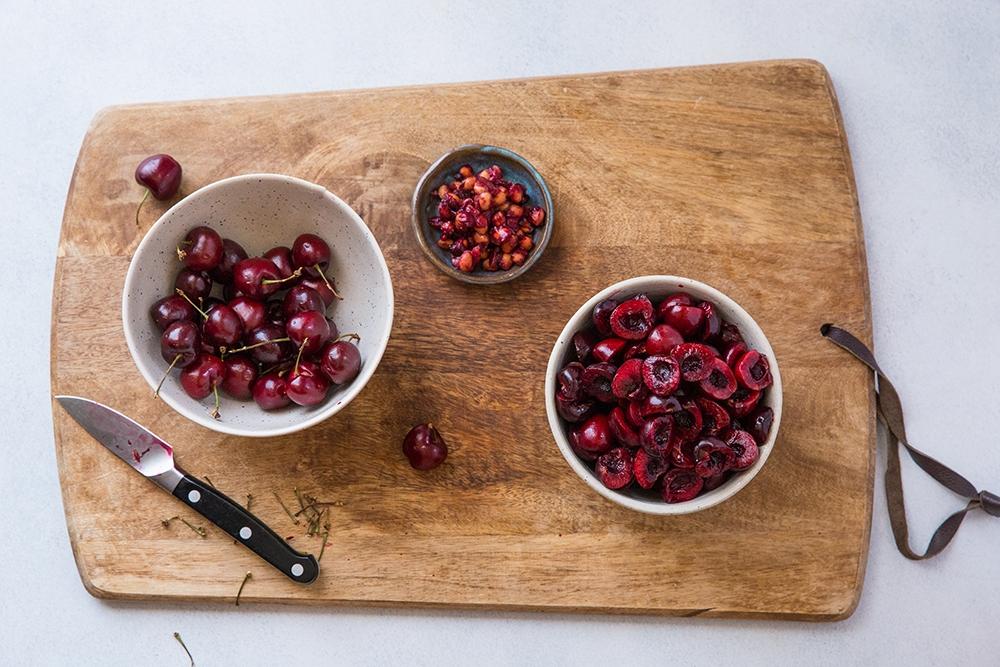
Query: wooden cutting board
[737, 175]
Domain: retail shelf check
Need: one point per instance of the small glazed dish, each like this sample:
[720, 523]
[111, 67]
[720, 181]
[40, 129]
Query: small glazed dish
[479, 157]
[658, 288]
[261, 211]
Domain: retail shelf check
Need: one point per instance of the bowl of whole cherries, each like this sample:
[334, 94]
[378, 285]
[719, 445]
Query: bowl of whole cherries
[259, 305]
[663, 395]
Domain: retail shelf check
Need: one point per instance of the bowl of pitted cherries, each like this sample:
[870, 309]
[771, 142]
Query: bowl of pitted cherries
[664, 395]
[259, 305]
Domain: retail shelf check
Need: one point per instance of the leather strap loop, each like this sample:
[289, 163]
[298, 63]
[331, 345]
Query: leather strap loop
[890, 410]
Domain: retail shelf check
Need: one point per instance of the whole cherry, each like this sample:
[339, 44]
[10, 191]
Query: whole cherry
[169, 309]
[201, 249]
[270, 391]
[223, 326]
[308, 331]
[306, 384]
[160, 174]
[311, 254]
[256, 277]
[240, 375]
[341, 361]
[232, 254]
[424, 447]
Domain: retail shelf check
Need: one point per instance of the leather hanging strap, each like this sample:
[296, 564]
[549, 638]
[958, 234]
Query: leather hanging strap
[890, 410]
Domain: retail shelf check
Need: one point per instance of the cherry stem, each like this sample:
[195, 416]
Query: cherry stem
[298, 357]
[180, 641]
[277, 281]
[139, 207]
[247, 578]
[263, 342]
[156, 392]
[328, 284]
[349, 336]
[181, 293]
[215, 411]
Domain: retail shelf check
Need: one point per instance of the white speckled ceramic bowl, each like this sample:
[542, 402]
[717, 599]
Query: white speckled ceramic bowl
[261, 211]
[657, 287]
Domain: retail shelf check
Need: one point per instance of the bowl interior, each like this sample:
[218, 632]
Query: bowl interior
[515, 168]
[658, 287]
[260, 212]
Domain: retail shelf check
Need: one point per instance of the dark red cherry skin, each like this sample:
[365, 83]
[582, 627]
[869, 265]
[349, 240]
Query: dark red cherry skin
[240, 375]
[223, 327]
[733, 353]
[594, 435]
[627, 383]
[424, 447]
[602, 316]
[720, 383]
[681, 454]
[160, 174]
[232, 254]
[623, 430]
[609, 349]
[321, 288]
[662, 339]
[634, 413]
[201, 249]
[712, 323]
[574, 410]
[681, 485]
[759, 423]
[570, 380]
[308, 330]
[270, 392]
[688, 421]
[249, 274]
[341, 361]
[281, 257]
[583, 344]
[676, 299]
[180, 338]
[301, 298]
[614, 469]
[654, 406]
[306, 384]
[636, 351]
[715, 481]
[742, 402]
[171, 309]
[196, 284]
[269, 353]
[202, 376]
[250, 311]
[686, 319]
[309, 250]
[597, 380]
[714, 417]
[729, 334]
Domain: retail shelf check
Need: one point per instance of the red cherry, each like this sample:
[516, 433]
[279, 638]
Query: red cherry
[341, 361]
[424, 447]
[251, 311]
[311, 254]
[281, 257]
[308, 330]
[306, 384]
[202, 377]
[250, 276]
[241, 373]
[160, 174]
[201, 249]
[270, 392]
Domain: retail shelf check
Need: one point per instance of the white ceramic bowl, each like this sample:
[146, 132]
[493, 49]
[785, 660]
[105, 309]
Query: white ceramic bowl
[260, 211]
[658, 287]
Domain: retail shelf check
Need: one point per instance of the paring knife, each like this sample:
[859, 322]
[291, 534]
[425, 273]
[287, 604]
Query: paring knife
[154, 459]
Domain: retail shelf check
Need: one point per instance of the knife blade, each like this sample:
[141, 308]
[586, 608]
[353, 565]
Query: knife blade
[153, 458]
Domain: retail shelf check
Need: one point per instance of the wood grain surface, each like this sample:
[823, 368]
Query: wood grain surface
[737, 175]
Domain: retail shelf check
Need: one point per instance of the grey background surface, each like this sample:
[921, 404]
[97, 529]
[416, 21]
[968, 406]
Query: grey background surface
[919, 86]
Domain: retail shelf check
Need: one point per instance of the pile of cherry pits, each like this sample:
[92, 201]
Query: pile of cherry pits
[664, 395]
[270, 339]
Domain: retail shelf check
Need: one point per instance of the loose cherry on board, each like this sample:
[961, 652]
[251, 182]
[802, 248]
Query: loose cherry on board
[424, 447]
[160, 174]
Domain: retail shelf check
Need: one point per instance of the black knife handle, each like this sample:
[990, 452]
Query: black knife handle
[247, 529]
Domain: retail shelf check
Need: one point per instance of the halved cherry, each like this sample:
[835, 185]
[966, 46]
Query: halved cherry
[570, 380]
[661, 374]
[647, 469]
[714, 482]
[682, 453]
[743, 401]
[759, 423]
[695, 360]
[657, 434]
[720, 383]
[628, 381]
[730, 333]
[662, 339]
[609, 349]
[753, 370]
[634, 414]
[654, 406]
[602, 315]
[597, 381]
[573, 410]
[713, 457]
[676, 299]
[636, 351]
[687, 420]
[614, 468]
[583, 344]
[633, 319]
[680, 485]
[733, 353]
[623, 429]
[713, 416]
[744, 448]
[594, 435]
[712, 325]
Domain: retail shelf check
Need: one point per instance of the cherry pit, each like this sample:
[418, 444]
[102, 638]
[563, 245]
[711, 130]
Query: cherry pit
[269, 338]
[665, 397]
